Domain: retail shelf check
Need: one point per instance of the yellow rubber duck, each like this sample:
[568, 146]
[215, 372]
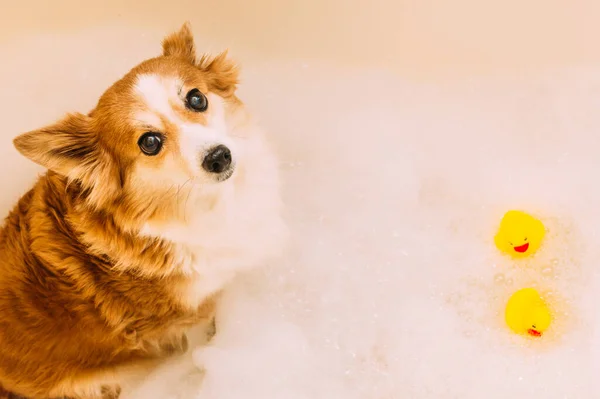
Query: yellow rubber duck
[527, 313]
[520, 234]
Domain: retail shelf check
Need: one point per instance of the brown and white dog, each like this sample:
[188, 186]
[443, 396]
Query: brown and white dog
[152, 202]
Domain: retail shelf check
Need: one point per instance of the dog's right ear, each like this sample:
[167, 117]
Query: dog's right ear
[66, 147]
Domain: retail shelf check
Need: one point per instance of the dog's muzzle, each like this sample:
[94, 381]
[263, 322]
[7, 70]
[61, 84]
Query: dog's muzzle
[218, 161]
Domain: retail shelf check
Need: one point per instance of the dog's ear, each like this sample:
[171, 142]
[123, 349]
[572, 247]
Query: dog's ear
[71, 148]
[64, 147]
[222, 73]
[181, 44]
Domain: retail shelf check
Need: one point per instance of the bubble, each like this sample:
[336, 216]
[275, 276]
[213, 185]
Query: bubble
[499, 278]
[465, 315]
[548, 271]
[453, 298]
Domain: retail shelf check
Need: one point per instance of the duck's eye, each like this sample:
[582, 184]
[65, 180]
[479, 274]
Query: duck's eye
[525, 238]
[151, 143]
[196, 101]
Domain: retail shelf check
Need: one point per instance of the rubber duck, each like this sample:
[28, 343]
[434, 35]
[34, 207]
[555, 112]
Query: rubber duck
[527, 313]
[519, 234]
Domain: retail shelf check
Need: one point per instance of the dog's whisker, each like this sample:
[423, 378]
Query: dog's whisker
[179, 191]
[185, 205]
[166, 193]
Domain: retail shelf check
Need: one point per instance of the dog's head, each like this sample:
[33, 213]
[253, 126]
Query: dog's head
[162, 129]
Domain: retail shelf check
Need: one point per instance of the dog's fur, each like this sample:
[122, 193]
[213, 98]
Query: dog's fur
[113, 254]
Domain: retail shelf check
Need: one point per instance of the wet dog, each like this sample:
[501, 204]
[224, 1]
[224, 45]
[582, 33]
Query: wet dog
[151, 204]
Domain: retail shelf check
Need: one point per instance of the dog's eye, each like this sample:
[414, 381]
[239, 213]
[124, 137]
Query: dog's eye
[196, 101]
[150, 143]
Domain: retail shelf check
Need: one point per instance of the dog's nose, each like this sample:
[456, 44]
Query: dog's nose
[217, 160]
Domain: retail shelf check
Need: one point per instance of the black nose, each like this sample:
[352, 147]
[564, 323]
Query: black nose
[217, 160]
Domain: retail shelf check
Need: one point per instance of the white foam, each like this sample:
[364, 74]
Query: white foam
[393, 288]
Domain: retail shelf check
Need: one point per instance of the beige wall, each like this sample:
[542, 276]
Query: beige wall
[59, 55]
[427, 38]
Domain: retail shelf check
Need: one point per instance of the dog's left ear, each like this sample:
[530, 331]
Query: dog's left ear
[222, 73]
[181, 44]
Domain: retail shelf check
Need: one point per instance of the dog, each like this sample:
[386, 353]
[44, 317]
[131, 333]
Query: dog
[150, 205]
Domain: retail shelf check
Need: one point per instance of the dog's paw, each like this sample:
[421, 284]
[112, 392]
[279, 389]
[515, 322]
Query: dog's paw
[174, 345]
[211, 330]
[198, 358]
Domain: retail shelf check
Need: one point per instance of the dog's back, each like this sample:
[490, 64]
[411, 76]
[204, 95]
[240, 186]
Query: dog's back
[39, 318]
[65, 312]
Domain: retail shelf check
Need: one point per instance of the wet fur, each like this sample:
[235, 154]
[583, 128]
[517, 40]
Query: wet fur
[112, 255]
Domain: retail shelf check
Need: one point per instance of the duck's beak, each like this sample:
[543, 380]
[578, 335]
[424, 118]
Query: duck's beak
[534, 333]
[522, 248]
